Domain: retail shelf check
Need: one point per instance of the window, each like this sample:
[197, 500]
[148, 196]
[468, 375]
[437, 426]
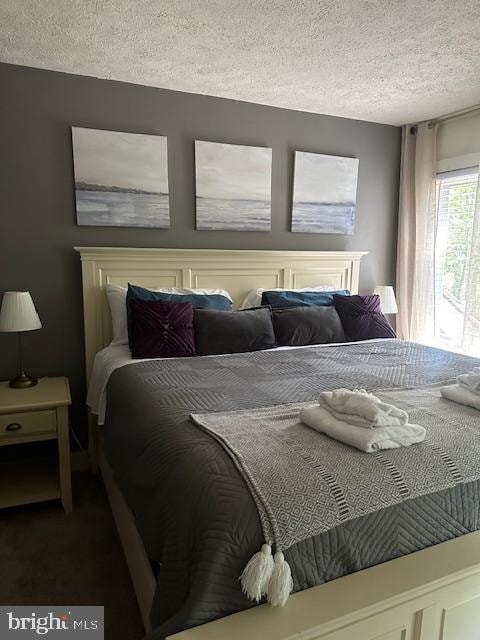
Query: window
[457, 318]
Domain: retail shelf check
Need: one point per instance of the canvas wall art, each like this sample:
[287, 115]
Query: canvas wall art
[233, 187]
[324, 193]
[121, 179]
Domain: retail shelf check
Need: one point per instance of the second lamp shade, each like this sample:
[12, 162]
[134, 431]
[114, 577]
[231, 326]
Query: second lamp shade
[387, 299]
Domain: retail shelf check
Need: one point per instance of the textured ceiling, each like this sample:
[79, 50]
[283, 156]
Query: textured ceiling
[389, 61]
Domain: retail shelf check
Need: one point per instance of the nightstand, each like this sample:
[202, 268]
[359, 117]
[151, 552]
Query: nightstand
[32, 415]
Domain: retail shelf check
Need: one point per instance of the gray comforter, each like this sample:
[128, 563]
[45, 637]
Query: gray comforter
[193, 510]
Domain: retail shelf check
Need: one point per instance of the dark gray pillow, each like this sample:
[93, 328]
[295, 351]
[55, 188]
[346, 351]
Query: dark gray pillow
[298, 326]
[233, 331]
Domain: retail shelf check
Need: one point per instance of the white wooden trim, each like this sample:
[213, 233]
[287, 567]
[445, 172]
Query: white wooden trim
[236, 271]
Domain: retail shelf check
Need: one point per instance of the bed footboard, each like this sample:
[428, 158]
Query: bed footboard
[433, 594]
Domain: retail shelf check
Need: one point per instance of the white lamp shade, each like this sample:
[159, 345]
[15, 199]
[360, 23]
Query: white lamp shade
[18, 312]
[387, 299]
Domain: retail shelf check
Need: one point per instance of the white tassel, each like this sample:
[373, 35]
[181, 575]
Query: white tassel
[257, 573]
[281, 583]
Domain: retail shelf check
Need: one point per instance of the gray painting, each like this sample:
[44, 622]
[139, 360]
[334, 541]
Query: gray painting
[233, 187]
[324, 193]
[121, 179]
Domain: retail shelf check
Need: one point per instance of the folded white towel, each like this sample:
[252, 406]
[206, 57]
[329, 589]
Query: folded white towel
[460, 394]
[362, 409]
[470, 380]
[367, 440]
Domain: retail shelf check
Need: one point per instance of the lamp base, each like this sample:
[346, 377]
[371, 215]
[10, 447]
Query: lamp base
[22, 382]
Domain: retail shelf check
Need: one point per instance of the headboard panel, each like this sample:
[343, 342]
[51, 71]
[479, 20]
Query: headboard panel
[235, 271]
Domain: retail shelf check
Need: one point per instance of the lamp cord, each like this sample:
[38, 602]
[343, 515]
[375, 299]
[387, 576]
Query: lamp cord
[71, 429]
[79, 444]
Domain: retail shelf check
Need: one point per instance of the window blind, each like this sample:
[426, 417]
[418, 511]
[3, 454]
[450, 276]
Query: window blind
[456, 208]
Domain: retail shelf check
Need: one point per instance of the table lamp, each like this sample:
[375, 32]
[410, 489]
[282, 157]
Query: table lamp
[18, 314]
[388, 302]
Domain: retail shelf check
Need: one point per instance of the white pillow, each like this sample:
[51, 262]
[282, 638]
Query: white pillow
[117, 299]
[254, 297]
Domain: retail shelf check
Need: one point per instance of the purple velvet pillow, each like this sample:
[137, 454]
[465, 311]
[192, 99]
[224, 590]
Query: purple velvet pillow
[161, 329]
[362, 318]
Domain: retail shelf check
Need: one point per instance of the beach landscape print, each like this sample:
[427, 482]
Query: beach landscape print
[324, 193]
[233, 187]
[121, 179]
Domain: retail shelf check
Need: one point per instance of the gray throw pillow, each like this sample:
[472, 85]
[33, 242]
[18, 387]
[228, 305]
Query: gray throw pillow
[299, 326]
[233, 331]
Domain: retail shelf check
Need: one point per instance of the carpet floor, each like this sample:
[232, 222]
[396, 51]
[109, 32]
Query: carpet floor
[49, 558]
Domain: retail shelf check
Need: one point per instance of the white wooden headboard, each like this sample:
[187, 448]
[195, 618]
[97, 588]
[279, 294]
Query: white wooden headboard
[236, 271]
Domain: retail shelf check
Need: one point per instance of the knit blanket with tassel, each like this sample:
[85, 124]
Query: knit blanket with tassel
[305, 483]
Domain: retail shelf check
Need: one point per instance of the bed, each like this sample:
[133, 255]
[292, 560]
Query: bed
[193, 513]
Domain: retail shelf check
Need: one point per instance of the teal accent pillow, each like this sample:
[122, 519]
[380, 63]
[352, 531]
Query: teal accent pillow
[198, 300]
[286, 299]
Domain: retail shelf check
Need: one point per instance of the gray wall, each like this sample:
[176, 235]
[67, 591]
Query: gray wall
[37, 211]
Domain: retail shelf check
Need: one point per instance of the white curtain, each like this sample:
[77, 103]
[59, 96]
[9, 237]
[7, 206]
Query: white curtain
[417, 233]
[471, 325]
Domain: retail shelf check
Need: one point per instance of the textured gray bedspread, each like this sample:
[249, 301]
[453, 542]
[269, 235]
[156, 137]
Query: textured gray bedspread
[193, 510]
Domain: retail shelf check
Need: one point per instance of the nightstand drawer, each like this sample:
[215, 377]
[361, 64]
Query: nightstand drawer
[29, 423]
